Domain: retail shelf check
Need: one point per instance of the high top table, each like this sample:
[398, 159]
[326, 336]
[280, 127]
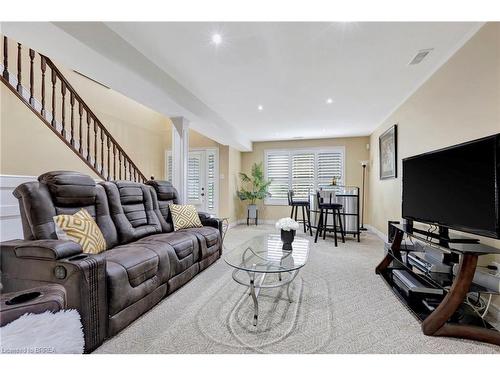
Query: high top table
[263, 255]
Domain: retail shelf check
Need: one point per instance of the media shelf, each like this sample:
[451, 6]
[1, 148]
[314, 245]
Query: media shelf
[443, 312]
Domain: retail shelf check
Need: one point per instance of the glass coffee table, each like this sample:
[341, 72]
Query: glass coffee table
[263, 255]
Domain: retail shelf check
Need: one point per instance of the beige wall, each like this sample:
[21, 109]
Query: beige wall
[28, 147]
[460, 102]
[355, 151]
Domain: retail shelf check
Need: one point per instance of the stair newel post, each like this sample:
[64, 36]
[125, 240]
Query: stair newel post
[80, 128]
[88, 136]
[5, 58]
[43, 67]
[114, 161]
[72, 103]
[102, 151]
[119, 164]
[63, 109]
[19, 67]
[54, 79]
[108, 174]
[95, 143]
[32, 78]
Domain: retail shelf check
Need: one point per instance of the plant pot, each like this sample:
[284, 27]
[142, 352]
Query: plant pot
[287, 237]
[252, 211]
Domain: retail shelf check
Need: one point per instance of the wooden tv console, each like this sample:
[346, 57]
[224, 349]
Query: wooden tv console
[451, 316]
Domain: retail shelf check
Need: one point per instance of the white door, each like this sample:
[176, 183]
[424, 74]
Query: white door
[202, 181]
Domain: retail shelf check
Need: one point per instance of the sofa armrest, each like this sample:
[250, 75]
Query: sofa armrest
[208, 221]
[47, 249]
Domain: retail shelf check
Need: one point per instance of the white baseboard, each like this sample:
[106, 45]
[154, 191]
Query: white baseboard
[378, 233]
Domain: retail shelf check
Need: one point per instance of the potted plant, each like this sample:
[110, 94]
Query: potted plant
[254, 188]
[288, 227]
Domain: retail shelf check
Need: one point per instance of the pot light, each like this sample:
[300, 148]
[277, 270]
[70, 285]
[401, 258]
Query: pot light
[260, 107]
[217, 39]
[329, 101]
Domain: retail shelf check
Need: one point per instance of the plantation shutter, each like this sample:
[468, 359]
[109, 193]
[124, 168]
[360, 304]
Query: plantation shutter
[194, 178]
[330, 164]
[302, 174]
[169, 167]
[277, 170]
[211, 180]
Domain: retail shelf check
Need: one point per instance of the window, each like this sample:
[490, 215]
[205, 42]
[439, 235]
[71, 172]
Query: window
[302, 171]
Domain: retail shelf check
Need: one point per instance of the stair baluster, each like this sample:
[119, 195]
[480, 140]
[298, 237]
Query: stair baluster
[72, 103]
[54, 79]
[5, 73]
[43, 67]
[63, 109]
[19, 86]
[32, 78]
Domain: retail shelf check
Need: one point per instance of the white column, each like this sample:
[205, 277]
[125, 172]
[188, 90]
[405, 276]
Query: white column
[180, 154]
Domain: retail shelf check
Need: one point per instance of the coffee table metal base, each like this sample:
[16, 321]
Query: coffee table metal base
[256, 282]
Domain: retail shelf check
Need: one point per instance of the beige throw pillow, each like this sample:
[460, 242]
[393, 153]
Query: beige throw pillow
[82, 229]
[184, 216]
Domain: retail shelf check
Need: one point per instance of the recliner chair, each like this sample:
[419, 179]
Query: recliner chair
[145, 259]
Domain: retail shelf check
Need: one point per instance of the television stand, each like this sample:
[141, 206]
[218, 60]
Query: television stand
[448, 315]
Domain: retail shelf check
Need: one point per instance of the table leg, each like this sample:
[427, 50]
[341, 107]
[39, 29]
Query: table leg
[254, 297]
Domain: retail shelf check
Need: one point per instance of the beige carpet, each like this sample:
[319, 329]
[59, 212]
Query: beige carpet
[340, 306]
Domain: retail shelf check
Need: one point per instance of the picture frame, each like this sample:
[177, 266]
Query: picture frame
[388, 153]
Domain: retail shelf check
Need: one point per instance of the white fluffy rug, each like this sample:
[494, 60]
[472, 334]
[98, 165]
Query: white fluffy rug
[46, 333]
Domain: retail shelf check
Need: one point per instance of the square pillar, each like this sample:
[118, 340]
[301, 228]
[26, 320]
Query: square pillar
[180, 154]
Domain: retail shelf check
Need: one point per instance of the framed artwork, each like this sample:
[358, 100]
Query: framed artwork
[388, 153]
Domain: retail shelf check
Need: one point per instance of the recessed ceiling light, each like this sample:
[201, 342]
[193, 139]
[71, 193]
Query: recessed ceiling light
[329, 101]
[260, 108]
[217, 39]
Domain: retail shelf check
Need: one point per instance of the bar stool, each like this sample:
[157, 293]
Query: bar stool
[306, 210]
[326, 202]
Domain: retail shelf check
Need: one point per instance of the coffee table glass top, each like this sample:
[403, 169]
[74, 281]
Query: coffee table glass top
[264, 254]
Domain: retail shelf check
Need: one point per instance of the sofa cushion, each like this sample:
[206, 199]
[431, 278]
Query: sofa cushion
[131, 207]
[82, 229]
[185, 249]
[164, 195]
[209, 240]
[185, 216]
[135, 270]
[211, 236]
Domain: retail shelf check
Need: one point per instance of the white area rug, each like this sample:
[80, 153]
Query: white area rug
[339, 306]
[46, 333]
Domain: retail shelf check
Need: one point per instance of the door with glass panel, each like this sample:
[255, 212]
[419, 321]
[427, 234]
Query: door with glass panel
[202, 171]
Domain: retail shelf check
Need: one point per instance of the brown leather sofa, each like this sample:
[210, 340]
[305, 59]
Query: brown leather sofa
[145, 259]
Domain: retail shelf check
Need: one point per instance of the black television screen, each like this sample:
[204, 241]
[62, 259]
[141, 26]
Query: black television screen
[456, 187]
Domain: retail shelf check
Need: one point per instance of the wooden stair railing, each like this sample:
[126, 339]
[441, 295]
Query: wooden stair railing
[68, 116]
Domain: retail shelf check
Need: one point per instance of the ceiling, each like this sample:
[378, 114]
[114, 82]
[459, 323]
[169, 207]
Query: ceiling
[290, 69]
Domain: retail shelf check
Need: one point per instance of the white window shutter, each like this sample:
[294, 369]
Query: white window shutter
[330, 165]
[302, 174]
[211, 169]
[277, 170]
[194, 178]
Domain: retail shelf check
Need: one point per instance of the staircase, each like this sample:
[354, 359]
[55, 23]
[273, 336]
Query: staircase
[57, 104]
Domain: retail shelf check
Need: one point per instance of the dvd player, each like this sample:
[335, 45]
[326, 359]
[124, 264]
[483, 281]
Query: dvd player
[410, 285]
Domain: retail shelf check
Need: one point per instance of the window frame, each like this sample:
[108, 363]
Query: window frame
[269, 201]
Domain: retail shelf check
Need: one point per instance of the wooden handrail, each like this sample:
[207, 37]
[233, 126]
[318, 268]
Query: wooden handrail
[96, 158]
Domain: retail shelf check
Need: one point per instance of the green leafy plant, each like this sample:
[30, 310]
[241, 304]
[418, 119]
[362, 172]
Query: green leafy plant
[255, 187]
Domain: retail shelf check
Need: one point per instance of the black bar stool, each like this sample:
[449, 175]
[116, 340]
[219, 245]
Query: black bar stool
[326, 202]
[306, 210]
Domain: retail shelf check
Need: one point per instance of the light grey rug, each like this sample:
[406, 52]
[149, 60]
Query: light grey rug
[339, 306]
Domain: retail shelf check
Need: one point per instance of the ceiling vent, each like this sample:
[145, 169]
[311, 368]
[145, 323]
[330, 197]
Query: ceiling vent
[422, 54]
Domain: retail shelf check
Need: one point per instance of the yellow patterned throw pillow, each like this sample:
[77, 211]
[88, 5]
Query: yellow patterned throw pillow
[184, 216]
[81, 228]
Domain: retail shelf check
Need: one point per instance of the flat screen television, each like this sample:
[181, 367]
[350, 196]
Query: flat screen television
[456, 187]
